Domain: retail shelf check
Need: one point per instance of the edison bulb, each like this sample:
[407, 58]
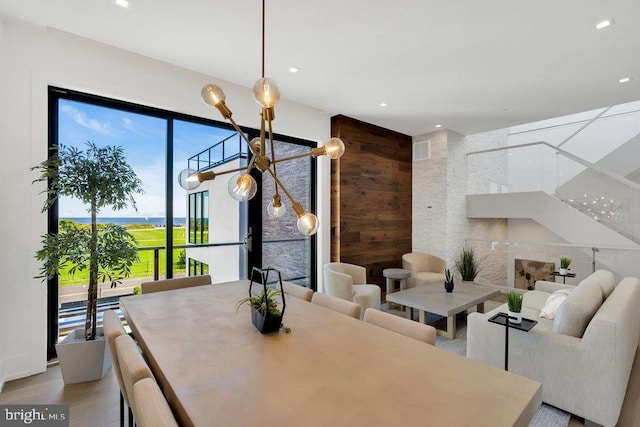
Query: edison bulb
[212, 95]
[188, 179]
[266, 92]
[334, 148]
[307, 224]
[276, 211]
[242, 187]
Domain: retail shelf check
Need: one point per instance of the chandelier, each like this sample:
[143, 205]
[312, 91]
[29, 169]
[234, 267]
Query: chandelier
[242, 186]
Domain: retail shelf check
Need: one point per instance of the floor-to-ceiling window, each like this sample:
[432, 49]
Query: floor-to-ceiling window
[179, 232]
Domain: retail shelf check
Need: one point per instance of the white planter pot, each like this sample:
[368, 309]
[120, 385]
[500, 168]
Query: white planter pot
[518, 317]
[563, 271]
[82, 360]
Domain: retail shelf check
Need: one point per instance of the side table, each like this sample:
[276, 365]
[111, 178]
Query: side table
[501, 319]
[564, 276]
[393, 274]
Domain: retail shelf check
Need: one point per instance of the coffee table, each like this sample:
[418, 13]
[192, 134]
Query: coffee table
[434, 299]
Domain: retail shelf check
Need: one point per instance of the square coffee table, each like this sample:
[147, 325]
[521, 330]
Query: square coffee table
[434, 299]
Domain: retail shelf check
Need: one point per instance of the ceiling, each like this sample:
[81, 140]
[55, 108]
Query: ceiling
[468, 65]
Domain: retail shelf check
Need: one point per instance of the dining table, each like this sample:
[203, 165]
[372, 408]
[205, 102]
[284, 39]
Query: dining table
[216, 369]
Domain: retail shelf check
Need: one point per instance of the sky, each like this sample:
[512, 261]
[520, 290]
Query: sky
[143, 139]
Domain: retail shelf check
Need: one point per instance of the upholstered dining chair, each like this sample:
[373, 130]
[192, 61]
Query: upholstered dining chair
[153, 409]
[406, 327]
[348, 308]
[133, 367]
[425, 269]
[349, 282]
[113, 328]
[297, 291]
[174, 283]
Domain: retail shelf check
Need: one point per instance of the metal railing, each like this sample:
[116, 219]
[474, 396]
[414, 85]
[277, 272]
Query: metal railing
[230, 148]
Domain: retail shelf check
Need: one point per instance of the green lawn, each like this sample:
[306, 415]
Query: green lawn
[147, 237]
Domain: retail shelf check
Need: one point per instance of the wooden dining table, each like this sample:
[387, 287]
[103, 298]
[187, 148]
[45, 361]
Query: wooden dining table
[216, 369]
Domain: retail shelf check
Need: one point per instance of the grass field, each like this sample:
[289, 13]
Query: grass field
[146, 237]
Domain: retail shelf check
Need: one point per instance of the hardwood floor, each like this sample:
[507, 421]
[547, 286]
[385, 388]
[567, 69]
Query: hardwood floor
[96, 403]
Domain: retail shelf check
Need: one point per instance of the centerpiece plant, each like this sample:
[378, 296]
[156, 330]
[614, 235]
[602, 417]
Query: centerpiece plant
[99, 177]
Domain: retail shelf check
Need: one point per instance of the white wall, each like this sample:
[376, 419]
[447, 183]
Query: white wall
[30, 60]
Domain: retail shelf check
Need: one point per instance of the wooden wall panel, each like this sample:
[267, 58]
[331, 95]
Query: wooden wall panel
[370, 197]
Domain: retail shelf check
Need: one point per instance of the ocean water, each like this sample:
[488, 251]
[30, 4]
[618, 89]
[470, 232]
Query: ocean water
[157, 221]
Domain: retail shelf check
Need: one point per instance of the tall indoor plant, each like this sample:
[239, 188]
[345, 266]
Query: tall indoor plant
[99, 177]
[467, 264]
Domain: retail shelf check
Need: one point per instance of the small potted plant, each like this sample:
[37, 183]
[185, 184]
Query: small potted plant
[514, 303]
[564, 265]
[265, 313]
[448, 281]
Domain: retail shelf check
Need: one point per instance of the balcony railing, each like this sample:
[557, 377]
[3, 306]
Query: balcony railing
[230, 148]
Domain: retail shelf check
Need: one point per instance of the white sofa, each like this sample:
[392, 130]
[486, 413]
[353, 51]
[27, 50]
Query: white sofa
[583, 357]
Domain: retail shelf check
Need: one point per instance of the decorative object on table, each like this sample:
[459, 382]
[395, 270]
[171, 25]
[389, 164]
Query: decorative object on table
[564, 266]
[448, 280]
[242, 185]
[467, 264]
[99, 177]
[265, 313]
[514, 302]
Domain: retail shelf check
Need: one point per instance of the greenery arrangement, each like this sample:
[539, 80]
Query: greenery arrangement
[565, 262]
[467, 264]
[99, 177]
[265, 303]
[514, 301]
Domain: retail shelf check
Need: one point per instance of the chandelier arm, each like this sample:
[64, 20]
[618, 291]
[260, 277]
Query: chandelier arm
[295, 156]
[284, 189]
[251, 147]
[227, 172]
[273, 155]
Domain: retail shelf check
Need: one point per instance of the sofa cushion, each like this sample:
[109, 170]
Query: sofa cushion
[534, 299]
[575, 313]
[604, 279]
[553, 302]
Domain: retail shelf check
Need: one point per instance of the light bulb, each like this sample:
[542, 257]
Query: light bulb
[242, 187]
[188, 179]
[307, 224]
[266, 92]
[212, 95]
[276, 211]
[334, 148]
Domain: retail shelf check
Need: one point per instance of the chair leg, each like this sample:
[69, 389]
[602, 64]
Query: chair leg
[130, 418]
[121, 410]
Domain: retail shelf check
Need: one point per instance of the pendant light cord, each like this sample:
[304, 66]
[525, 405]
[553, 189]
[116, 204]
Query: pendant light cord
[263, 7]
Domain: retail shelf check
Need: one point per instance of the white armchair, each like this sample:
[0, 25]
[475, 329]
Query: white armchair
[348, 282]
[425, 269]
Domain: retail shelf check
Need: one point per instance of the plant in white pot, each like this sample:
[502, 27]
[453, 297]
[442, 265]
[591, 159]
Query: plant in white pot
[564, 266]
[99, 177]
[514, 304]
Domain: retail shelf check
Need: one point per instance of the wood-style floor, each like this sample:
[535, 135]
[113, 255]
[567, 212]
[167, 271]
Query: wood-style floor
[95, 404]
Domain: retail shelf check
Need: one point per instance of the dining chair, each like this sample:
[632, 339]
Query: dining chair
[174, 283]
[297, 291]
[349, 282]
[113, 328]
[337, 304]
[153, 409]
[406, 327]
[133, 367]
[425, 269]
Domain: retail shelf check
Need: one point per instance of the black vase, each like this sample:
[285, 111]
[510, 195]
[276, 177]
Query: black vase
[448, 286]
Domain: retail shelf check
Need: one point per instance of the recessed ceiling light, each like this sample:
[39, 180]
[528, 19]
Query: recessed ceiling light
[625, 80]
[604, 24]
[122, 3]
[293, 70]
[438, 126]
[383, 104]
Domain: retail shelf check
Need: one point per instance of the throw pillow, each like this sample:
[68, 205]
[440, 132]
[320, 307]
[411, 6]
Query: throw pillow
[550, 307]
[575, 313]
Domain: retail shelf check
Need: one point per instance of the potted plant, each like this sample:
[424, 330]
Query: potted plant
[564, 266]
[448, 280]
[467, 264]
[99, 177]
[265, 313]
[514, 303]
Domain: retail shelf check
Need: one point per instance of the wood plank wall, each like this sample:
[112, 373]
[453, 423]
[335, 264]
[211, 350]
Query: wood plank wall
[370, 197]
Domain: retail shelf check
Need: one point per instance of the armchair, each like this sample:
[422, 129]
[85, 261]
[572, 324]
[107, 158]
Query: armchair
[348, 282]
[425, 269]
